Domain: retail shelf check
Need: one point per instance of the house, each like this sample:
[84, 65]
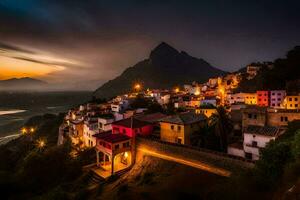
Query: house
[113, 151]
[208, 101]
[292, 102]
[90, 128]
[120, 106]
[76, 132]
[263, 98]
[207, 110]
[236, 149]
[179, 128]
[254, 115]
[281, 117]
[257, 137]
[250, 98]
[277, 98]
[132, 127]
[236, 98]
[262, 116]
[104, 122]
[252, 71]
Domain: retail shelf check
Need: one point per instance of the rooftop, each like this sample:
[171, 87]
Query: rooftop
[263, 130]
[111, 138]
[131, 123]
[184, 118]
[153, 117]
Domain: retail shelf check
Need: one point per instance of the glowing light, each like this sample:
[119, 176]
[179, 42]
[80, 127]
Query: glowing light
[40, 143]
[125, 154]
[176, 90]
[137, 86]
[24, 130]
[32, 130]
[192, 163]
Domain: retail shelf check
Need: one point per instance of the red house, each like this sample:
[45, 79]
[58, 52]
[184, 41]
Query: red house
[132, 127]
[113, 151]
[262, 98]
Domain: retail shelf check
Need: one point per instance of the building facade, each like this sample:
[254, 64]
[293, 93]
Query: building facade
[263, 98]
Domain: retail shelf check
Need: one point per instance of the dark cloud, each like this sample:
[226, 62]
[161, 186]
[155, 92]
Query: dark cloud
[108, 35]
[8, 47]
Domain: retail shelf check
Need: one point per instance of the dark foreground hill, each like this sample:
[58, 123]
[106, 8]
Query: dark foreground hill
[165, 68]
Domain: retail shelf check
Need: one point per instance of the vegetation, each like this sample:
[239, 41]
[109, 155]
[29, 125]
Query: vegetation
[284, 70]
[29, 170]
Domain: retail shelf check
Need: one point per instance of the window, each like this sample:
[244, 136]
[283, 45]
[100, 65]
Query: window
[290, 99]
[249, 116]
[273, 104]
[126, 144]
[279, 99]
[179, 141]
[172, 127]
[254, 143]
[291, 105]
[281, 119]
[117, 146]
[255, 116]
[296, 105]
[296, 99]
[273, 93]
[278, 104]
[178, 128]
[286, 119]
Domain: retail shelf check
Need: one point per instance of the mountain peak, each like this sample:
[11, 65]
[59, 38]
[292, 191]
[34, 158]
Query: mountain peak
[163, 50]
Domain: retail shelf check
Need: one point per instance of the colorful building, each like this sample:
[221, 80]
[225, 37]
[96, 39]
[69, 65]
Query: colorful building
[263, 98]
[180, 128]
[132, 127]
[250, 98]
[277, 98]
[292, 102]
[206, 110]
[113, 151]
[257, 137]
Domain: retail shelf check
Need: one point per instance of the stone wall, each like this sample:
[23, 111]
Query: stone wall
[217, 159]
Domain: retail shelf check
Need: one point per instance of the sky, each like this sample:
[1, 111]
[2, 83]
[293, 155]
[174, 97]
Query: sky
[85, 43]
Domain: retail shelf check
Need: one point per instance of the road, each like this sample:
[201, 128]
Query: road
[191, 163]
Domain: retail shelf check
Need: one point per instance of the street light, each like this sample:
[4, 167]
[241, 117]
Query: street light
[40, 143]
[137, 86]
[23, 130]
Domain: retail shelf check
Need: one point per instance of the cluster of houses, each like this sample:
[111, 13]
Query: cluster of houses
[112, 127]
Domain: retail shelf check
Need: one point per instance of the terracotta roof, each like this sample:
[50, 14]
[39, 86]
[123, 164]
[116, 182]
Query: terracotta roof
[111, 138]
[263, 130]
[131, 123]
[184, 118]
[154, 117]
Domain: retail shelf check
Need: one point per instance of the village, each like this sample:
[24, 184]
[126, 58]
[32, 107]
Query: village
[112, 127]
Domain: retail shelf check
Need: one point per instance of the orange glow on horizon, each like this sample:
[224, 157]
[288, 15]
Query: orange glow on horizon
[14, 68]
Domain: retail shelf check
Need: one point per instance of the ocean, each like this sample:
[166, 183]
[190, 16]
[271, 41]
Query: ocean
[17, 107]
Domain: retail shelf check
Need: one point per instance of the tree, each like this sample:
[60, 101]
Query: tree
[222, 126]
[296, 145]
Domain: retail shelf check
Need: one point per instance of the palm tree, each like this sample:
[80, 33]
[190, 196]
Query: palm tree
[222, 126]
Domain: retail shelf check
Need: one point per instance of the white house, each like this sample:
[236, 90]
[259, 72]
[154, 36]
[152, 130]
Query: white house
[104, 124]
[90, 127]
[257, 137]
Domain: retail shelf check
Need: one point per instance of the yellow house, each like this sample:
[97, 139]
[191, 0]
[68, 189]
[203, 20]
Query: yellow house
[250, 98]
[292, 102]
[179, 128]
[207, 111]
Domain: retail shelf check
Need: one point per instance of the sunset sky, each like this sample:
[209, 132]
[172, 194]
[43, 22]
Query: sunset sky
[82, 41]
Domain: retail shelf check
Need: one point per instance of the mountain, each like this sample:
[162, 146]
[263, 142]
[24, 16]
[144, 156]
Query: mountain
[165, 68]
[25, 83]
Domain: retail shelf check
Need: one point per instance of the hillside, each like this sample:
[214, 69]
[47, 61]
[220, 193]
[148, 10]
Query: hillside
[165, 68]
[284, 75]
[25, 83]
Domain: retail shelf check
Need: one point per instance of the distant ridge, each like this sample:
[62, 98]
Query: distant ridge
[25, 83]
[165, 68]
